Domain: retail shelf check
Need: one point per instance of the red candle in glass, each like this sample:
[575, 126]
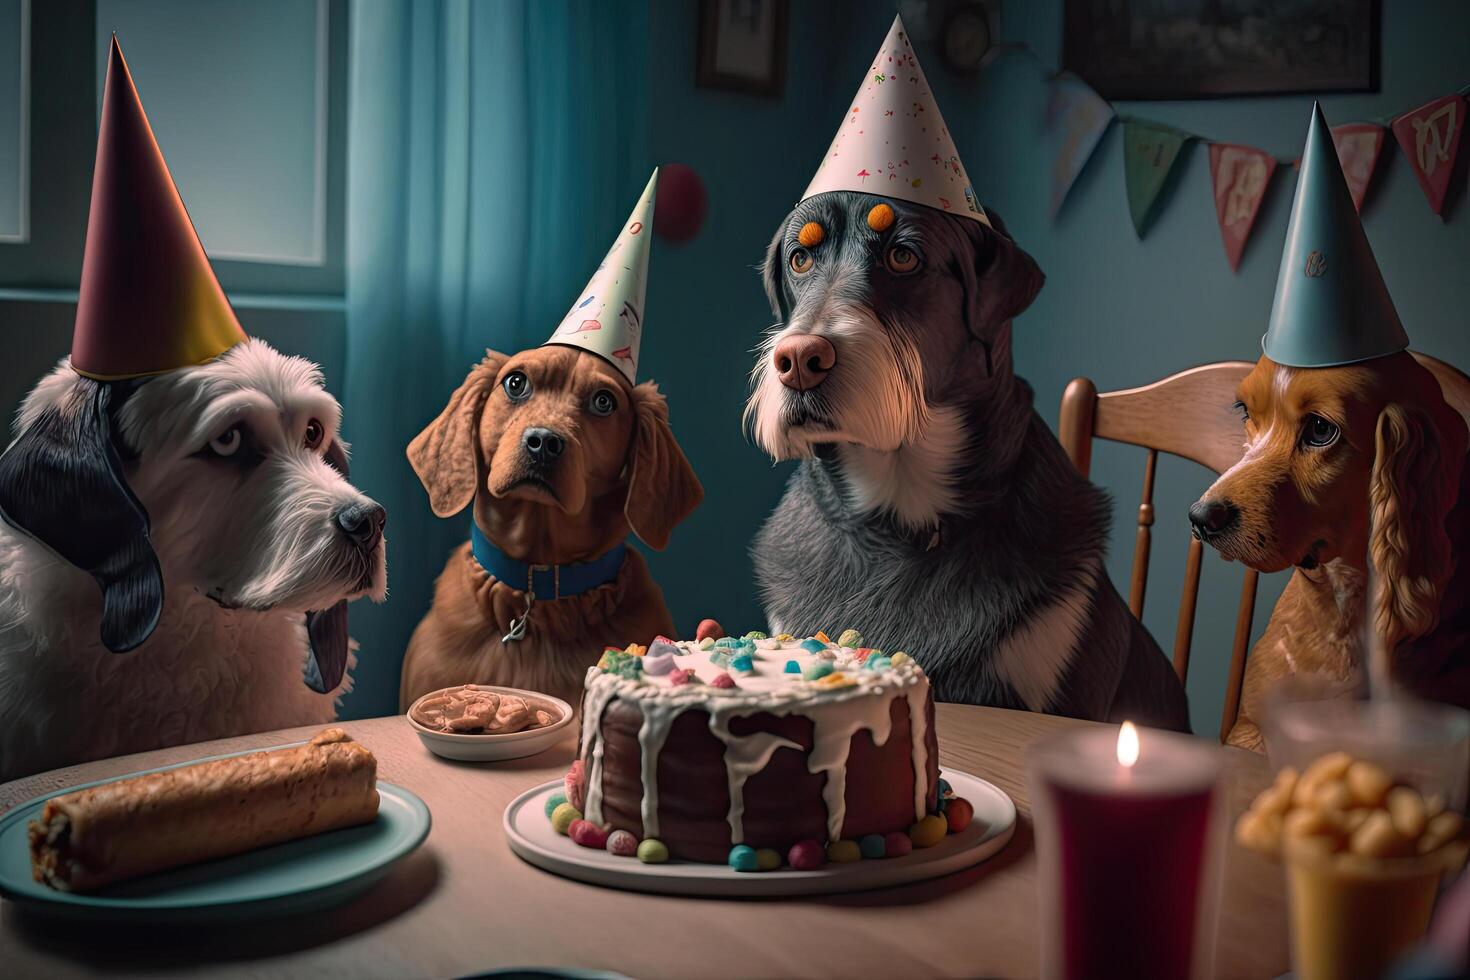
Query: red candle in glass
[1127, 837]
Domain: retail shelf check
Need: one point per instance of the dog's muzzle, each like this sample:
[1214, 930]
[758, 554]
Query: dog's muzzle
[362, 523]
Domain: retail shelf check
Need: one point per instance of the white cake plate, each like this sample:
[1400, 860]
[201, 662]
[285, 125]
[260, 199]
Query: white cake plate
[531, 837]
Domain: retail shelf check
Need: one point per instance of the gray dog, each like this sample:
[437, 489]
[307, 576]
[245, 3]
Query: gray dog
[933, 509]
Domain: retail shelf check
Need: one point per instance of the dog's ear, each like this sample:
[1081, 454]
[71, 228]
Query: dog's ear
[446, 455]
[61, 482]
[662, 487]
[1001, 280]
[1416, 475]
[773, 276]
[326, 630]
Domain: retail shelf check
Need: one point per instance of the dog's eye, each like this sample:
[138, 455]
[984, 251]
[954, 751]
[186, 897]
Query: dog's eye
[314, 433]
[1242, 411]
[1319, 432]
[801, 261]
[603, 402]
[901, 259]
[517, 386]
[228, 443]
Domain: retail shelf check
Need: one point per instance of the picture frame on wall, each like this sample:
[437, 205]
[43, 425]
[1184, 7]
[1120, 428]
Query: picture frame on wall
[742, 45]
[1200, 49]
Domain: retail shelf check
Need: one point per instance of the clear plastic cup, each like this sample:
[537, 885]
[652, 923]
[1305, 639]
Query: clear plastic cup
[1423, 744]
[1353, 916]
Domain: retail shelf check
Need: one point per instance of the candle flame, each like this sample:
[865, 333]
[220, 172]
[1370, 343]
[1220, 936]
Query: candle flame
[1127, 745]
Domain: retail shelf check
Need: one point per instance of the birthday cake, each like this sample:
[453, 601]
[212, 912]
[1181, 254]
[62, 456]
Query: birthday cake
[758, 752]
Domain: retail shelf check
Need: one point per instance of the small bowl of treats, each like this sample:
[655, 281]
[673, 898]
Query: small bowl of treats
[479, 723]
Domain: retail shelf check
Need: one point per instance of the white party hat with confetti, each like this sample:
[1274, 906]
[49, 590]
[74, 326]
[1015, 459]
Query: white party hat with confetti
[894, 141]
[607, 317]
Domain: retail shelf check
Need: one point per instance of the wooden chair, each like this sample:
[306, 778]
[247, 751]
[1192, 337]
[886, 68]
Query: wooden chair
[1189, 414]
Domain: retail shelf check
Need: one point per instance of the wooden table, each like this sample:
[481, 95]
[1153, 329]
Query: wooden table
[463, 903]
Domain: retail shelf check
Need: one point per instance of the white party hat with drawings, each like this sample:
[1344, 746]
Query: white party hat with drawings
[607, 317]
[894, 142]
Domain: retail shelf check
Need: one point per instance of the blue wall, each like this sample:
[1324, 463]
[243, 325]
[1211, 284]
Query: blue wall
[1120, 310]
[1117, 309]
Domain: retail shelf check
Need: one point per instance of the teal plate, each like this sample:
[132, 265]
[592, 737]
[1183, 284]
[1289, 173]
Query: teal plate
[301, 875]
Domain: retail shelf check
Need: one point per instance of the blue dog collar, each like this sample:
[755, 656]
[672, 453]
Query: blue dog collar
[546, 581]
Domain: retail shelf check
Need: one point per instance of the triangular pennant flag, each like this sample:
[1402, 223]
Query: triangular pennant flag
[1331, 306]
[1240, 175]
[1079, 117]
[1430, 138]
[607, 318]
[1358, 146]
[149, 301]
[893, 140]
[1150, 151]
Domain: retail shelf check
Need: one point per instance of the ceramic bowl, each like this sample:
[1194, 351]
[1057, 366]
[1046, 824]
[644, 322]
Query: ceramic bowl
[494, 748]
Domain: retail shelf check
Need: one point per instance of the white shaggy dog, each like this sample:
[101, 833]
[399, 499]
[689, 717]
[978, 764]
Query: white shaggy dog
[211, 507]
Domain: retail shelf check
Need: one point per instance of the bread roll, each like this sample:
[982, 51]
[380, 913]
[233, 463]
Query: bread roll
[91, 838]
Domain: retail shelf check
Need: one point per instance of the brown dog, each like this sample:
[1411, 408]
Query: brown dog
[1341, 463]
[561, 457]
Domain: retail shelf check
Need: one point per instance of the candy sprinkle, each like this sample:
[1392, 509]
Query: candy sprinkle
[722, 680]
[821, 637]
[587, 834]
[658, 664]
[562, 817]
[929, 831]
[813, 646]
[816, 670]
[806, 855]
[792, 667]
[850, 638]
[742, 858]
[652, 851]
[553, 801]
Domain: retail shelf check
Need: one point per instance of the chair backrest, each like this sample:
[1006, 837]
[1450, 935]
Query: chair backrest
[1189, 414]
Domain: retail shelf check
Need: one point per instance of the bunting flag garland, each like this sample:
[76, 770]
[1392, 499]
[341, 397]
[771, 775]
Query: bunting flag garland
[1079, 117]
[1150, 151]
[1358, 146]
[1430, 139]
[1240, 175]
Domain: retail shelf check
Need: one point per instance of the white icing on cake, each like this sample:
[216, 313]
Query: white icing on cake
[860, 701]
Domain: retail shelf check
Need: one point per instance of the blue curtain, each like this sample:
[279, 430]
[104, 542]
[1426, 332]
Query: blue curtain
[493, 149]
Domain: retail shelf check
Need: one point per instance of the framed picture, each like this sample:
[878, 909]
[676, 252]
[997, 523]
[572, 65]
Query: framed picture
[1192, 49]
[742, 45]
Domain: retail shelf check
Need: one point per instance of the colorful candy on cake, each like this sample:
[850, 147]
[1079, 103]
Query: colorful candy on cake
[757, 752]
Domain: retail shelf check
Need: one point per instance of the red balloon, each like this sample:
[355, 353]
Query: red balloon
[679, 212]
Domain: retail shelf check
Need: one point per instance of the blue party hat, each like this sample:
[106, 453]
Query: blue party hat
[1331, 304]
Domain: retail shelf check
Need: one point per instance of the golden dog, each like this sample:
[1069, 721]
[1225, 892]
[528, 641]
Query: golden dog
[1341, 463]
[560, 456]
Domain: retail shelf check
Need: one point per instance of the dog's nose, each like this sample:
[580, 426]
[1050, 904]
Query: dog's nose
[543, 445]
[1212, 518]
[363, 523]
[803, 360]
